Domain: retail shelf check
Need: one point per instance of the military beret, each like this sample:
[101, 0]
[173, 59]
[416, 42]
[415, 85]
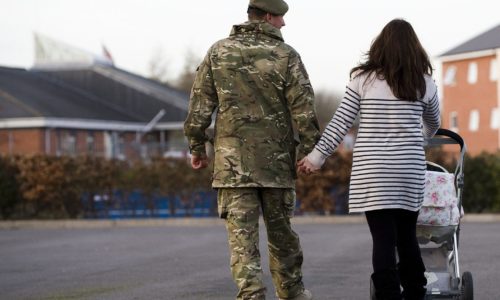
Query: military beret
[275, 7]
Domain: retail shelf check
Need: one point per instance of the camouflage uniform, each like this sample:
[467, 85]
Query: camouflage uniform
[258, 86]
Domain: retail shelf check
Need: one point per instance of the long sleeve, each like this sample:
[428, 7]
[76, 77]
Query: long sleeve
[300, 98]
[202, 104]
[431, 115]
[341, 122]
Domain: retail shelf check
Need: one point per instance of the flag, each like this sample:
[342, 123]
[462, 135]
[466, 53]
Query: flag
[107, 55]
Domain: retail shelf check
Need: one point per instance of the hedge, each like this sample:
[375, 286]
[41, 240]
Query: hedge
[64, 187]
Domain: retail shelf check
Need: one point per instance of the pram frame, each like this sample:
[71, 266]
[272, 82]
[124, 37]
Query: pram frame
[456, 283]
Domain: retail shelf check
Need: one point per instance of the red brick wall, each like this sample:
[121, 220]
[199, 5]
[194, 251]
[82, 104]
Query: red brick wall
[23, 141]
[99, 143]
[32, 141]
[463, 97]
[4, 141]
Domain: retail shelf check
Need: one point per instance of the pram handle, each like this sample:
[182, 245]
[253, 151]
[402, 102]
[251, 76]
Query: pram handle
[452, 135]
[455, 139]
[452, 138]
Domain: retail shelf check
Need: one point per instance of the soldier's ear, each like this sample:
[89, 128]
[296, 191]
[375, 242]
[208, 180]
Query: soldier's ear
[268, 17]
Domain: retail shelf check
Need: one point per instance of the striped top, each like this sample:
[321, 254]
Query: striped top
[388, 169]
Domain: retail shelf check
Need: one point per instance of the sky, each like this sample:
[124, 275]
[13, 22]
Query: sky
[331, 36]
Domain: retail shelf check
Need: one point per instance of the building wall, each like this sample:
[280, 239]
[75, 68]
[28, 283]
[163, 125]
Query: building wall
[58, 141]
[20, 141]
[462, 97]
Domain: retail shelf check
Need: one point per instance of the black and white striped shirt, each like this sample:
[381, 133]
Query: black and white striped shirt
[388, 169]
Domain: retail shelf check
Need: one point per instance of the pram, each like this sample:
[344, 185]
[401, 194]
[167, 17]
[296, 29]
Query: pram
[439, 244]
[438, 228]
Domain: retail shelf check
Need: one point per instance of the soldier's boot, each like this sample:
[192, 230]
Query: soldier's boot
[305, 295]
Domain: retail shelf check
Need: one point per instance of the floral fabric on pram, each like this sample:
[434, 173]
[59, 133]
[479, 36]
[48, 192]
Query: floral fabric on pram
[440, 206]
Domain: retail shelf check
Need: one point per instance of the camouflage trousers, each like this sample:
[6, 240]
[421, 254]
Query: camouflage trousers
[241, 208]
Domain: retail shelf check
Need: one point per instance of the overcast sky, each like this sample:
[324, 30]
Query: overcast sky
[330, 35]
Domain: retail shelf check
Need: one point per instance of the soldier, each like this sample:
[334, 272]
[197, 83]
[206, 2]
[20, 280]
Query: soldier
[258, 86]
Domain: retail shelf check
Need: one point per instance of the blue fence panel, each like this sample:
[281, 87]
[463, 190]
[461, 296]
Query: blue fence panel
[135, 204]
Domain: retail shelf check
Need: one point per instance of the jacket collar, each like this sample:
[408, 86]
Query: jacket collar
[257, 27]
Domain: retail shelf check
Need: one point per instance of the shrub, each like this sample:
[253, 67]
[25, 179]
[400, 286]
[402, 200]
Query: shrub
[9, 187]
[48, 186]
[64, 187]
[482, 183]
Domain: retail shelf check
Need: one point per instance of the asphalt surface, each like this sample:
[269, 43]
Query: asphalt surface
[191, 262]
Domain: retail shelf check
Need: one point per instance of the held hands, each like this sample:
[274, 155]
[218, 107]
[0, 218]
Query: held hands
[199, 162]
[311, 163]
[306, 167]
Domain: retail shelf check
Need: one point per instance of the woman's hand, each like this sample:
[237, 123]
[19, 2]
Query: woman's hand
[311, 163]
[304, 166]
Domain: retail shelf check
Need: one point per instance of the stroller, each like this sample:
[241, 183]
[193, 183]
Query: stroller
[438, 226]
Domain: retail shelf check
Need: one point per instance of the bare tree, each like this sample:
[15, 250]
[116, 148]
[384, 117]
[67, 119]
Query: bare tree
[326, 104]
[158, 66]
[186, 77]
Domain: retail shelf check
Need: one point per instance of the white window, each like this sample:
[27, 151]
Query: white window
[495, 118]
[90, 142]
[454, 121]
[450, 75]
[494, 70]
[474, 120]
[120, 146]
[68, 143]
[472, 73]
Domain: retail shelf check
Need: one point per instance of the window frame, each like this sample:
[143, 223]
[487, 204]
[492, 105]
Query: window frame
[474, 119]
[453, 121]
[472, 73]
[450, 76]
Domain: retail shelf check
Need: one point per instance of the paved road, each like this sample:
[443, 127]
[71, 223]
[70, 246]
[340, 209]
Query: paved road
[191, 262]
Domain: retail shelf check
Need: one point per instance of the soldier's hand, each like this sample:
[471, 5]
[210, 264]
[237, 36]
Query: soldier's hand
[199, 162]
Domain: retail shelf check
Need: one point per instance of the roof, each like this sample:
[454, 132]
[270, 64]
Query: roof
[485, 41]
[98, 92]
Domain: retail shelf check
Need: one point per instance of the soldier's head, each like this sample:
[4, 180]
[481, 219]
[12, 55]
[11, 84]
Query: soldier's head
[271, 11]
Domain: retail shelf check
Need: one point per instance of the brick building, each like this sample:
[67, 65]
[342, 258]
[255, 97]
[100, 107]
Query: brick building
[471, 91]
[76, 103]
[96, 110]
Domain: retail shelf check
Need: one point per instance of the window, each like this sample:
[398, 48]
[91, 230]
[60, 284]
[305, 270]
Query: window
[90, 142]
[117, 145]
[474, 120]
[454, 121]
[120, 146]
[449, 77]
[495, 118]
[494, 70]
[68, 143]
[472, 73]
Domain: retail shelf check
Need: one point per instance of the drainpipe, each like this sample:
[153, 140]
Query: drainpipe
[498, 91]
[11, 142]
[47, 141]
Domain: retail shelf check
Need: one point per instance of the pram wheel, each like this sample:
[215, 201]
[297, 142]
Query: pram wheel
[467, 288]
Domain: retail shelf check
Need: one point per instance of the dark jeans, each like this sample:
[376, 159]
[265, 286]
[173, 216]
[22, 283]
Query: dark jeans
[393, 229]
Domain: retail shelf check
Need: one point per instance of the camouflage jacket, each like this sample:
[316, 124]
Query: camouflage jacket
[259, 87]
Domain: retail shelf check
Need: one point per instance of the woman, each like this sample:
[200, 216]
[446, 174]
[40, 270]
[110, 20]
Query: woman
[398, 104]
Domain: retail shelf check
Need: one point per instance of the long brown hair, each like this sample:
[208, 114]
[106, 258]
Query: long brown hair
[397, 56]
